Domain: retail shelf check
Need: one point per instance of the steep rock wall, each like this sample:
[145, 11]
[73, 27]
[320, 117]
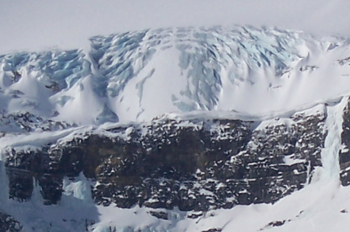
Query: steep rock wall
[193, 164]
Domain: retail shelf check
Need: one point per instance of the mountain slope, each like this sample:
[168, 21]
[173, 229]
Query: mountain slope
[262, 72]
[177, 129]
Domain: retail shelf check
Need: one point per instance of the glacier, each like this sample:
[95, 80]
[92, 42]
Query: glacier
[255, 71]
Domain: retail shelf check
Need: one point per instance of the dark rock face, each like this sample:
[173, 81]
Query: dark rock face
[212, 230]
[9, 224]
[159, 214]
[28, 122]
[190, 164]
[344, 153]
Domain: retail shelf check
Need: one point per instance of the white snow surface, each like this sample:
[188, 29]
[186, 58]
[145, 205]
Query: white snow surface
[139, 75]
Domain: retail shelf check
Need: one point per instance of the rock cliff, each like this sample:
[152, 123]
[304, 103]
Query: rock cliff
[193, 164]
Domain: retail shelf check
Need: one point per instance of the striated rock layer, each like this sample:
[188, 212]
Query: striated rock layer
[193, 164]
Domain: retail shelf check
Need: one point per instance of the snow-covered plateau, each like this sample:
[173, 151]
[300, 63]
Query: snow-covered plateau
[214, 129]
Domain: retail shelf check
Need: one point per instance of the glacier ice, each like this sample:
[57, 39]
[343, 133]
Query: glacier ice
[77, 192]
[143, 74]
[54, 69]
[206, 56]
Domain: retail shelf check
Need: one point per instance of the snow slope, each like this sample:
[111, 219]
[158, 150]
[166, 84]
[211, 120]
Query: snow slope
[135, 76]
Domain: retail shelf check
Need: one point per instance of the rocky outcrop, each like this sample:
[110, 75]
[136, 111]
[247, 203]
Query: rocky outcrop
[344, 153]
[25, 122]
[9, 224]
[193, 164]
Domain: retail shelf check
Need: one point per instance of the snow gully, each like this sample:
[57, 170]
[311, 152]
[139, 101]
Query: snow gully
[333, 143]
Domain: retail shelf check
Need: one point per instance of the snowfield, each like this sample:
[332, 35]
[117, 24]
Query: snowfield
[136, 76]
